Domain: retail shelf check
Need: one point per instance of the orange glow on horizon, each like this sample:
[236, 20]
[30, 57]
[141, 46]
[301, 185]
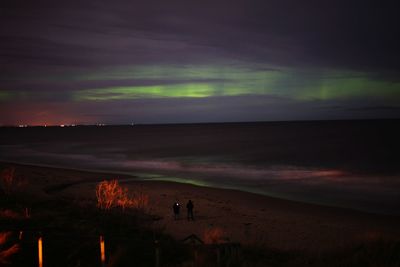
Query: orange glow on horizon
[43, 114]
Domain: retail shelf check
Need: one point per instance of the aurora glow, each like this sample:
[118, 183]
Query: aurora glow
[236, 82]
[245, 65]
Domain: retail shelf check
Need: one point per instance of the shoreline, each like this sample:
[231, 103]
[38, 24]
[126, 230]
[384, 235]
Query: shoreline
[147, 175]
[247, 218]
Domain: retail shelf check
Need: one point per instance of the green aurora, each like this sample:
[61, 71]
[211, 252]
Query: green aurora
[202, 82]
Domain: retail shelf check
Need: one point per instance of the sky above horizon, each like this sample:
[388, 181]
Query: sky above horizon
[117, 62]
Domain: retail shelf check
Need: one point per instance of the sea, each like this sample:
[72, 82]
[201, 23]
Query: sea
[350, 164]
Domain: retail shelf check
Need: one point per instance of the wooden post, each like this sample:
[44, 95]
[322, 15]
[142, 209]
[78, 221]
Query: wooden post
[218, 257]
[40, 252]
[195, 255]
[102, 252]
[157, 255]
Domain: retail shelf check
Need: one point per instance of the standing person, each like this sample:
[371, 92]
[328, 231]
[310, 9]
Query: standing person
[190, 207]
[176, 207]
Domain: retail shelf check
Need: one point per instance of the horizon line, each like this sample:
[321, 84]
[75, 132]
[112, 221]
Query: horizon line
[188, 123]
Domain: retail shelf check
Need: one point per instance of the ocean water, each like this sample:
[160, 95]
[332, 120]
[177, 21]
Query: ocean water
[351, 164]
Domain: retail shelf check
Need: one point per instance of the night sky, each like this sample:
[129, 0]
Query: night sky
[92, 61]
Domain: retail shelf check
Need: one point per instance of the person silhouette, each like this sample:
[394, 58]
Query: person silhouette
[176, 207]
[189, 207]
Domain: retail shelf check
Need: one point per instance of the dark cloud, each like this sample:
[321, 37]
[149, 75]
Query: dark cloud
[359, 35]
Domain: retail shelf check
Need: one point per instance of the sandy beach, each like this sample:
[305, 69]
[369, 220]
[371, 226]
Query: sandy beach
[246, 218]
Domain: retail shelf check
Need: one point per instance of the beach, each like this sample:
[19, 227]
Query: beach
[246, 218]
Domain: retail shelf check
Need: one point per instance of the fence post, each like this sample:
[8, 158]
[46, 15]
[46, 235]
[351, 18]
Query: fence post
[218, 256]
[102, 252]
[157, 254]
[40, 251]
